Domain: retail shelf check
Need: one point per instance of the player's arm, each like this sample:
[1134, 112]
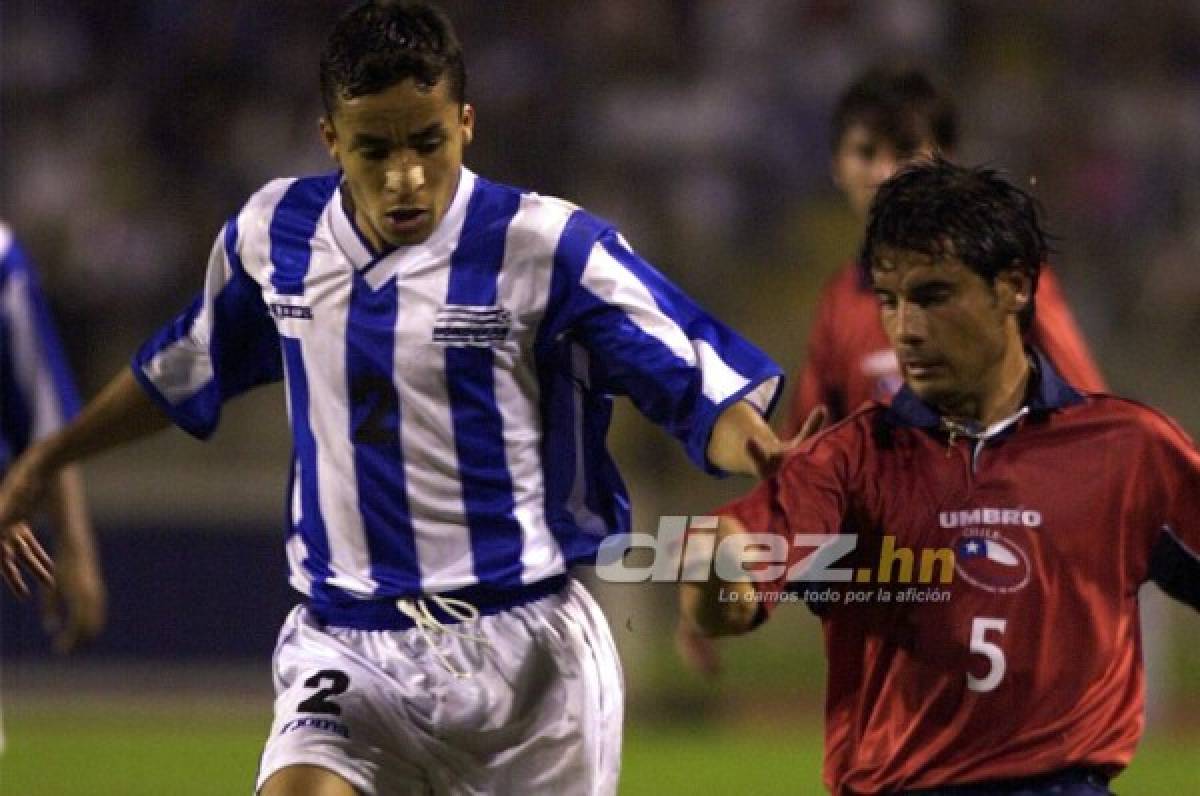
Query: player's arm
[683, 369]
[720, 607]
[1174, 558]
[122, 412]
[222, 345]
[75, 610]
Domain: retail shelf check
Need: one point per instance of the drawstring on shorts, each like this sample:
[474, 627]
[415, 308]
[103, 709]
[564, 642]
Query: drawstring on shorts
[430, 626]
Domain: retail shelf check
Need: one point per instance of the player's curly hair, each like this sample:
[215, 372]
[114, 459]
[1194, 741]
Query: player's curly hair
[382, 42]
[940, 209]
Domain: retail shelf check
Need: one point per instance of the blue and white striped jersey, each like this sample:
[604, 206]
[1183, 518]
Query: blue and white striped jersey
[449, 400]
[37, 394]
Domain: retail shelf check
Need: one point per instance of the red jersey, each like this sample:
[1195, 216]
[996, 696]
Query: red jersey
[1028, 660]
[850, 360]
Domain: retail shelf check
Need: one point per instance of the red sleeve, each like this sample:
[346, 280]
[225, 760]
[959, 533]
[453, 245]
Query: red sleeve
[1174, 506]
[814, 383]
[1057, 335]
[809, 495]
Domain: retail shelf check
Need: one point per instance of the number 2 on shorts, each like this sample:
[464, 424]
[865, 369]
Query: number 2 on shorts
[329, 683]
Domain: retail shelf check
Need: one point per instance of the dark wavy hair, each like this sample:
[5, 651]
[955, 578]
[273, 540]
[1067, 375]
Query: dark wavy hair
[900, 104]
[940, 209]
[382, 42]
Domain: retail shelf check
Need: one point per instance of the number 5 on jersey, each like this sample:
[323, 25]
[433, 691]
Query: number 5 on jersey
[990, 650]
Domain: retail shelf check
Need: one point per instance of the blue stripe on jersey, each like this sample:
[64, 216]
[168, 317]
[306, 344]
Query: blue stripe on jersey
[311, 524]
[375, 431]
[292, 228]
[496, 537]
[563, 422]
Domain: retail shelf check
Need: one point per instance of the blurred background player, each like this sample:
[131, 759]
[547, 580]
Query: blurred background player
[37, 396]
[888, 117]
[1053, 505]
[450, 348]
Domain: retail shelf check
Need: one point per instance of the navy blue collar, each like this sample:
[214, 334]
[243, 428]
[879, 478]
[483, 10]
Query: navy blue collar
[1047, 393]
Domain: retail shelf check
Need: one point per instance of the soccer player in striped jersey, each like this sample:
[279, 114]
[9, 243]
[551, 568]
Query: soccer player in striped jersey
[450, 347]
[37, 396]
[1044, 509]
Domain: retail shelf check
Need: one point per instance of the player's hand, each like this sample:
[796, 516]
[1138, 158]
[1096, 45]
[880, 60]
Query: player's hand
[23, 488]
[699, 653]
[19, 551]
[769, 456]
[74, 611]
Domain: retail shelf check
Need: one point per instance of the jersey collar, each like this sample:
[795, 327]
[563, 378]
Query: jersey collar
[356, 248]
[1047, 393]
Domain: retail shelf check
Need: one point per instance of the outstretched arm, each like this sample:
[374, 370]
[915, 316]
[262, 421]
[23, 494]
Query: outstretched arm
[122, 412]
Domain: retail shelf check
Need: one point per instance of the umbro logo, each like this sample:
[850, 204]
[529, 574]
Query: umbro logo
[297, 311]
[465, 324]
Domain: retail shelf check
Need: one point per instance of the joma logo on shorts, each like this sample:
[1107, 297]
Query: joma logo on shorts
[309, 722]
[967, 517]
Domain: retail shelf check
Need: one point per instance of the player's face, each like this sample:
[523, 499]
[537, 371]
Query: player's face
[401, 151]
[952, 331]
[863, 160]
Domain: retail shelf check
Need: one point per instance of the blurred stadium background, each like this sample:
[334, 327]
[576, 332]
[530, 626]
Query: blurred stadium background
[130, 129]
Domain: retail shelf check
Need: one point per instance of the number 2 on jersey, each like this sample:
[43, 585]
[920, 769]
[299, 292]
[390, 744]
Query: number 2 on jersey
[981, 646]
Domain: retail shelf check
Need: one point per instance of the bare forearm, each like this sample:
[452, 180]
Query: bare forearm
[738, 428]
[68, 507]
[121, 413]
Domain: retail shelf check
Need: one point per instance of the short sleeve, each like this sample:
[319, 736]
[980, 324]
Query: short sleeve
[1174, 500]
[223, 344]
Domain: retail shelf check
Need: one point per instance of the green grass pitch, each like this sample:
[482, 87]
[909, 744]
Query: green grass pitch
[91, 751]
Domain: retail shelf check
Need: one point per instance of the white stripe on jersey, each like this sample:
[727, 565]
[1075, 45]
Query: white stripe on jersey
[613, 283]
[34, 377]
[296, 550]
[524, 282]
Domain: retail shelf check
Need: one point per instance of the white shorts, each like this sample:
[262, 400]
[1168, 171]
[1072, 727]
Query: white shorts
[539, 710]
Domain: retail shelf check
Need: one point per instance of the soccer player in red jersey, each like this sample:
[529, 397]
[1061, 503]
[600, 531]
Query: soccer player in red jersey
[1036, 511]
[888, 117]
[885, 119]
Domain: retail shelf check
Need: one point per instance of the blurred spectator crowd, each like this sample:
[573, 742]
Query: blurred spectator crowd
[130, 129]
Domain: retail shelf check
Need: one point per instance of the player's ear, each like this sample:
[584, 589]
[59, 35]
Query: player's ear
[468, 123]
[329, 138]
[1014, 287]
